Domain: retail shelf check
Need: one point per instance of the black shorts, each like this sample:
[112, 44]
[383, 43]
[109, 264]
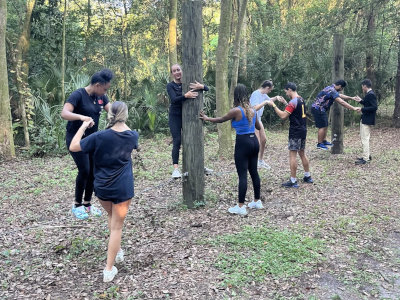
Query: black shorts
[320, 118]
[296, 144]
[114, 201]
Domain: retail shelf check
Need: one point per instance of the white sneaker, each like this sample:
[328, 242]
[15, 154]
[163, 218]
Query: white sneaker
[238, 210]
[263, 164]
[176, 173]
[255, 204]
[208, 171]
[109, 275]
[120, 256]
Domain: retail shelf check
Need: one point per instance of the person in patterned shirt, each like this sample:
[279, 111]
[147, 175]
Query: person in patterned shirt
[296, 112]
[320, 108]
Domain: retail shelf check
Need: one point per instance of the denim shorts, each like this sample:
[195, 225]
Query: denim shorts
[320, 118]
[296, 144]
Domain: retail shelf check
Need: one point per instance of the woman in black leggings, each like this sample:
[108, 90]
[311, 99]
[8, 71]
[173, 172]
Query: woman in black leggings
[174, 89]
[244, 121]
[86, 104]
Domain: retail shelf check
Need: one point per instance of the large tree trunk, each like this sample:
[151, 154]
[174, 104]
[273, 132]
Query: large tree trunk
[243, 51]
[337, 112]
[396, 113]
[6, 136]
[22, 70]
[63, 54]
[192, 126]
[173, 56]
[221, 79]
[236, 47]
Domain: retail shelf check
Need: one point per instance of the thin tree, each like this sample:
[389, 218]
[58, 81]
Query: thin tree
[173, 56]
[22, 70]
[396, 113]
[221, 79]
[6, 137]
[63, 54]
[192, 126]
[236, 46]
[337, 111]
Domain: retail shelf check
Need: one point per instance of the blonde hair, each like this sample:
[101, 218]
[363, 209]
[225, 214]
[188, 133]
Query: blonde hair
[118, 112]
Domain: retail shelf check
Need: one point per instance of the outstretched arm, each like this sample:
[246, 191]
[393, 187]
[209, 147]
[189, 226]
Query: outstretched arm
[257, 107]
[229, 116]
[344, 103]
[281, 114]
[76, 141]
[343, 96]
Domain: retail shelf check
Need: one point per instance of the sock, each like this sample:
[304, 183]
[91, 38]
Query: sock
[78, 204]
[87, 205]
[293, 179]
[307, 174]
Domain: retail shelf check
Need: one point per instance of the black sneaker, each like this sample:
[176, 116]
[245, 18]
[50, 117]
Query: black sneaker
[361, 158]
[290, 184]
[361, 161]
[308, 179]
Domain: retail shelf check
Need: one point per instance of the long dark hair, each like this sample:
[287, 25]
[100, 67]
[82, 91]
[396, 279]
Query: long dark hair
[241, 98]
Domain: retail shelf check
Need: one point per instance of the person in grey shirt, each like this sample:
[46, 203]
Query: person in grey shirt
[260, 97]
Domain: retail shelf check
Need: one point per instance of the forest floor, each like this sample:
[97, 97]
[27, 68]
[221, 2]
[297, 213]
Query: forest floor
[336, 239]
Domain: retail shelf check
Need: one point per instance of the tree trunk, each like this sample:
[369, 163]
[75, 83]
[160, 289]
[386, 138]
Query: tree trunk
[337, 111]
[396, 113]
[173, 56]
[243, 51]
[221, 79]
[236, 47]
[6, 136]
[369, 58]
[63, 54]
[192, 126]
[22, 70]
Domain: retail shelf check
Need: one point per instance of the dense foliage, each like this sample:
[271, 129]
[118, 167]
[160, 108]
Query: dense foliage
[286, 40]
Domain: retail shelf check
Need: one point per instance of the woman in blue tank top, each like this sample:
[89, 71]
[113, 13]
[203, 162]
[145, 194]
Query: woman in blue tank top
[244, 121]
[113, 176]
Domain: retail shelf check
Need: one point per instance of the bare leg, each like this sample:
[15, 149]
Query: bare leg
[119, 212]
[304, 160]
[262, 140]
[322, 132]
[293, 163]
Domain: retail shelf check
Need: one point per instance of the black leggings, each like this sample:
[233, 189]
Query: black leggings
[84, 179]
[175, 126]
[246, 158]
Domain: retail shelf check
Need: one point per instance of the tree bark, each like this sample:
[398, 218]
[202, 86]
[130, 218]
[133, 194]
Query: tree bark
[236, 47]
[337, 111]
[221, 80]
[192, 126]
[396, 113]
[173, 56]
[243, 51]
[63, 54]
[6, 135]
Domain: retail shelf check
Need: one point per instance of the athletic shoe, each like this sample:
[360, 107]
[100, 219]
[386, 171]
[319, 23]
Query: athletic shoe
[120, 256]
[361, 158]
[263, 164]
[308, 179]
[238, 210]
[255, 204]
[176, 174]
[208, 171]
[109, 275]
[361, 161]
[93, 210]
[79, 212]
[321, 146]
[290, 184]
[326, 143]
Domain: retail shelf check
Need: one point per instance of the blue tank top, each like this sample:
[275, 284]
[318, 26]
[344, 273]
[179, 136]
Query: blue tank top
[242, 126]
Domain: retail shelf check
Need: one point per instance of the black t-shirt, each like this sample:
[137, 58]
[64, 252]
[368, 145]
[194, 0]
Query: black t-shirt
[90, 106]
[111, 150]
[297, 118]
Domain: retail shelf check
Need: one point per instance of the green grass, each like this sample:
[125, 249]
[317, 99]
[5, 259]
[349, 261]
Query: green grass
[256, 253]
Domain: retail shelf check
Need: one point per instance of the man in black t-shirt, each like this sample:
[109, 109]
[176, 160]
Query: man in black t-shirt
[295, 111]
